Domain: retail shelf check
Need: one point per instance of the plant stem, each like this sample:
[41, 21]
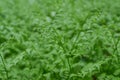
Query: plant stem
[7, 78]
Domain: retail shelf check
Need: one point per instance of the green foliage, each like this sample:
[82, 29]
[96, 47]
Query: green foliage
[59, 40]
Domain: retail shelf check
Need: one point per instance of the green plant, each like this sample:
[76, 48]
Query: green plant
[59, 40]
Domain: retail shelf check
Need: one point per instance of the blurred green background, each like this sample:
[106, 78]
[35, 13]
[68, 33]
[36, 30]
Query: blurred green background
[59, 39]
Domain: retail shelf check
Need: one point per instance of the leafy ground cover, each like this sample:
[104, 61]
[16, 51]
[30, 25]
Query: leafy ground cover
[59, 40]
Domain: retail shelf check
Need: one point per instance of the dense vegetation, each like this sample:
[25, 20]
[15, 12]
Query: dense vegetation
[59, 39]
